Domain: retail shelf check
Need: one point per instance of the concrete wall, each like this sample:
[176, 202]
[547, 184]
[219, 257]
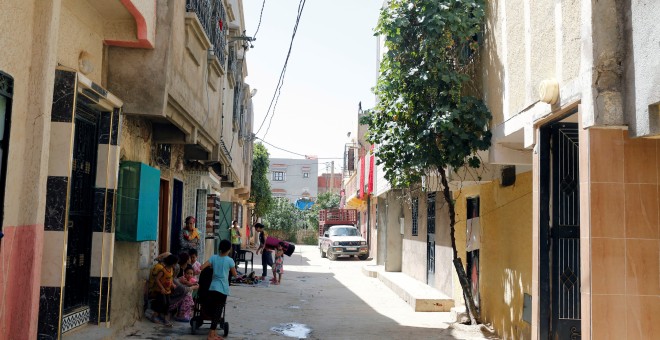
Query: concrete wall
[414, 247]
[393, 237]
[28, 43]
[505, 271]
[525, 43]
[642, 72]
[81, 31]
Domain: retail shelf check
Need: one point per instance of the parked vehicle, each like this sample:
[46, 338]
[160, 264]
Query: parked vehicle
[342, 240]
[338, 235]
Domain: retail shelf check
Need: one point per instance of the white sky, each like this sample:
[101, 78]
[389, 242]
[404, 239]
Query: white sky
[332, 67]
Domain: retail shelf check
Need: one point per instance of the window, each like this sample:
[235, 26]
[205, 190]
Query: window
[415, 213]
[279, 176]
[6, 92]
[305, 174]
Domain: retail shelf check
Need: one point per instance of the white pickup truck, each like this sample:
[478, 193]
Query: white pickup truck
[344, 240]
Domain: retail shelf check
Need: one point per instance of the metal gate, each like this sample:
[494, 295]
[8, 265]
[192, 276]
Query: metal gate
[430, 239]
[81, 199]
[565, 232]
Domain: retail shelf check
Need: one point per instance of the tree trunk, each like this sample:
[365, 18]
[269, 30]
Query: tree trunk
[473, 313]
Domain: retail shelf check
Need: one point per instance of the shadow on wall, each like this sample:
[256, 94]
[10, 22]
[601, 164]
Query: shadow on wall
[493, 69]
[509, 321]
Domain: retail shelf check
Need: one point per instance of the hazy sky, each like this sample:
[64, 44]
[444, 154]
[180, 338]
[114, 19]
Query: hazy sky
[332, 67]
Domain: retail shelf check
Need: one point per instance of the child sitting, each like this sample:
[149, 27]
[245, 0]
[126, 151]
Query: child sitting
[161, 285]
[187, 304]
[193, 261]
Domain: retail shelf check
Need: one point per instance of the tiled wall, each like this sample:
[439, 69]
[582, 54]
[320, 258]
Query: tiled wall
[625, 236]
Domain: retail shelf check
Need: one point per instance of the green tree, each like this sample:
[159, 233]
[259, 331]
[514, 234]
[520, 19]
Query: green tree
[283, 216]
[429, 116]
[260, 193]
[326, 200]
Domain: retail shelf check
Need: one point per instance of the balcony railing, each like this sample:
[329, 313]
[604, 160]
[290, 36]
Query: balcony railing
[212, 16]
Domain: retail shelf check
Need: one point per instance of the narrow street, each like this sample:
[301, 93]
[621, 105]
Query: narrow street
[335, 300]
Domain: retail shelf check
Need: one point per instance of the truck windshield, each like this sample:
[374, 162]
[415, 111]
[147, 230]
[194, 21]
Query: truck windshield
[344, 232]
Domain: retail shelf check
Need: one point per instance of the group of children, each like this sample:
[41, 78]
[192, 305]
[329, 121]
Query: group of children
[173, 281]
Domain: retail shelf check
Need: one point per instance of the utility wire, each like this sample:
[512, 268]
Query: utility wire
[261, 14]
[280, 82]
[295, 153]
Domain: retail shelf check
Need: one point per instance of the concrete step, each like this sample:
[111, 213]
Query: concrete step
[421, 297]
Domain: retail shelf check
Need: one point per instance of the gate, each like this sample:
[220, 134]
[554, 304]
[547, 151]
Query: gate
[81, 199]
[565, 232]
[559, 232]
[430, 239]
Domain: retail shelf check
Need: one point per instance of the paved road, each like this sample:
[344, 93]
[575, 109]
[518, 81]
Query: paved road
[333, 299]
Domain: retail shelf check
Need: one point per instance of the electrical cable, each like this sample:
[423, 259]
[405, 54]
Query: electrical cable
[280, 82]
[254, 36]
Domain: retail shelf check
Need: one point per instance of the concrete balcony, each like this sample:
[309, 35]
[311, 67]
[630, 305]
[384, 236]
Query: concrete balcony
[179, 84]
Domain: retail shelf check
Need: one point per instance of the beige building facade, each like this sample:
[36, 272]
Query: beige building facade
[90, 93]
[566, 217]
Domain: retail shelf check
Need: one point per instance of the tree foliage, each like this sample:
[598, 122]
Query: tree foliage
[260, 187]
[326, 200]
[429, 115]
[426, 116]
[283, 216]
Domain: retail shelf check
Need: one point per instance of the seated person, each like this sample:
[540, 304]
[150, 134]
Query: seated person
[161, 285]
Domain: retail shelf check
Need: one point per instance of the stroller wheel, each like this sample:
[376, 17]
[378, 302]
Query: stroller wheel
[225, 326]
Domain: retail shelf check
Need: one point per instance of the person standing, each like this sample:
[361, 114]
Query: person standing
[266, 256]
[235, 233]
[190, 237]
[223, 266]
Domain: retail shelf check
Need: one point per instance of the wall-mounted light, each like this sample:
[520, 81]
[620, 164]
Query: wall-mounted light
[549, 91]
[85, 64]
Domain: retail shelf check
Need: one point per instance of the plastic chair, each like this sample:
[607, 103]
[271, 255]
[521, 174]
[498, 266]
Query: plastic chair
[245, 256]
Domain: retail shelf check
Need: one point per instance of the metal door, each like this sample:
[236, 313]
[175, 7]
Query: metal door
[430, 239]
[177, 218]
[225, 220]
[565, 232]
[81, 199]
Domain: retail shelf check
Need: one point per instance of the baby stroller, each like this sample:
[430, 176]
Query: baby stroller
[199, 314]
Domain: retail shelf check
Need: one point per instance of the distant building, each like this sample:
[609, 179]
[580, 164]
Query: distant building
[294, 179]
[330, 182]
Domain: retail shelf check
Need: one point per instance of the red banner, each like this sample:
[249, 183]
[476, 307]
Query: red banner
[371, 171]
[361, 188]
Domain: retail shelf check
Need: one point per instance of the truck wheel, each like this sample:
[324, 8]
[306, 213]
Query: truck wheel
[322, 252]
[363, 257]
[331, 256]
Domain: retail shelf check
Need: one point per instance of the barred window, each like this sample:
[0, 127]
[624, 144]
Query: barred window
[415, 213]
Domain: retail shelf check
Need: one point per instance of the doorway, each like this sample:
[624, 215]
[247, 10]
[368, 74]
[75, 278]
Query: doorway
[559, 239]
[163, 215]
[81, 209]
[177, 218]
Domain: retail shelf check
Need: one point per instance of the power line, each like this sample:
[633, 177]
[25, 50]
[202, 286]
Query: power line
[254, 36]
[280, 82]
[295, 153]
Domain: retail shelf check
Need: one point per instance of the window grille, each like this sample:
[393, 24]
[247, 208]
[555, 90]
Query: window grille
[415, 214]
